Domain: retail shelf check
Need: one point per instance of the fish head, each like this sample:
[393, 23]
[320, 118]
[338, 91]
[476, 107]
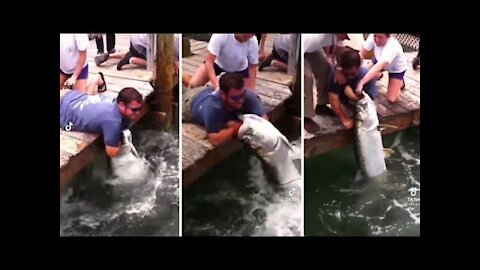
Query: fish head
[366, 111]
[256, 133]
[362, 108]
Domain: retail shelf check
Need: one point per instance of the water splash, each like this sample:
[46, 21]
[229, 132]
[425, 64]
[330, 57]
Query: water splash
[142, 199]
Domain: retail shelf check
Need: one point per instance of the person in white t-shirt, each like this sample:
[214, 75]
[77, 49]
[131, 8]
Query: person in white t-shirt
[319, 66]
[73, 61]
[237, 53]
[389, 57]
[136, 55]
[279, 56]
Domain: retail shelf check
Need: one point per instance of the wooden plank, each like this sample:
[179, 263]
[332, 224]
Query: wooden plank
[71, 145]
[275, 76]
[77, 162]
[208, 161]
[116, 84]
[322, 144]
[82, 136]
[130, 72]
[197, 134]
[164, 79]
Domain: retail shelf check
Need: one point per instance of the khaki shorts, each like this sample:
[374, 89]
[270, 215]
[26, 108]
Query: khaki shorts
[188, 95]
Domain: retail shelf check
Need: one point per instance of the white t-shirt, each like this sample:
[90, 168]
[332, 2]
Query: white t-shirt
[233, 56]
[140, 41]
[283, 42]
[392, 52]
[316, 42]
[70, 47]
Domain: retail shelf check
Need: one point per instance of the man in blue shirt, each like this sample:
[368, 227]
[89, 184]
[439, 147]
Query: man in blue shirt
[340, 94]
[87, 113]
[218, 111]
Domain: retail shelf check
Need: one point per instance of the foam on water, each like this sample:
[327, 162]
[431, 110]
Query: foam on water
[145, 191]
[378, 208]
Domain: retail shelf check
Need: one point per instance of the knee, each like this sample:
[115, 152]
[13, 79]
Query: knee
[392, 99]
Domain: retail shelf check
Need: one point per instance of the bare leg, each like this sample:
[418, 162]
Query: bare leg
[394, 89]
[186, 77]
[200, 77]
[280, 65]
[118, 55]
[63, 78]
[81, 85]
[139, 61]
[93, 84]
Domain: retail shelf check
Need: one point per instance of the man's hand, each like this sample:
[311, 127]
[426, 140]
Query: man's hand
[347, 123]
[234, 125]
[261, 55]
[359, 89]
[71, 81]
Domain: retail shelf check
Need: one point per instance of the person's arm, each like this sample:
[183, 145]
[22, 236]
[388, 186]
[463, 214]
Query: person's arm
[252, 77]
[337, 107]
[211, 71]
[261, 50]
[372, 73]
[350, 94]
[112, 137]
[252, 59]
[366, 47]
[112, 151]
[214, 48]
[230, 132]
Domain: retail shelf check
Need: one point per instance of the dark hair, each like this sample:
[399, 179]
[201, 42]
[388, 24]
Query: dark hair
[129, 94]
[229, 81]
[349, 59]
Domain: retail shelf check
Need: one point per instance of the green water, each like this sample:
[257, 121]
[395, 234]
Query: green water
[331, 208]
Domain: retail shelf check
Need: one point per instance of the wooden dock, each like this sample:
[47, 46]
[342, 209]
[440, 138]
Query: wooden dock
[402, 114]
[78, 149]
[199, 155]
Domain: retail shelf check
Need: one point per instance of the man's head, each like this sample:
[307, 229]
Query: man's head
[243, 37]
[380, 39]
[350, 63]
[232, 91]
[129, 103]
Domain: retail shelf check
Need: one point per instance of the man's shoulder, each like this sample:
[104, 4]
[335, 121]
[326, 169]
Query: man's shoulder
[213, 102]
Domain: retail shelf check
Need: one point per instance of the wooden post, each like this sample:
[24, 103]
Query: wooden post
[164, 75]
[186, 51]
[294, 54]
[297, 78]
[151, 52]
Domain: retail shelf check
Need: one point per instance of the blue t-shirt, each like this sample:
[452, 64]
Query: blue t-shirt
[87, 113]
[209, 111]
[339, 89]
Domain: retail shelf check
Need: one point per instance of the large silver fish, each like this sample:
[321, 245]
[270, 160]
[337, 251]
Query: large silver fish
[272, 146]
[128, 167]
[369, 149]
